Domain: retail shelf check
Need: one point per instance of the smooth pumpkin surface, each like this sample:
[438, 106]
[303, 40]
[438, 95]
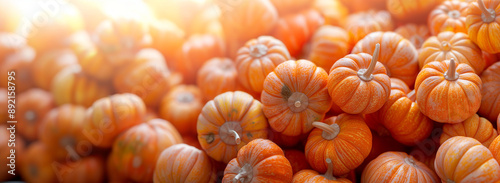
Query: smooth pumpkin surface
[251, 164]
[490, 102]
[360, 24]
[32, 107]
[483, 23]
[449, 16]
[46, 66]
[329, 44]
[415, 33]
[218, 75]
[295, 95]
[167, 38]
[228, 122]
[181, 107]
[313, 176]
[476, 127]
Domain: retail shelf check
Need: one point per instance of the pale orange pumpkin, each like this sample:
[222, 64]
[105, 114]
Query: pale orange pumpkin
[476, 127]
[313, 176]
[449, 16]
[18, 65]
[167, 38]
[411, 10]
[32, 107]
[483, 23]
[182, 106]
[360, 24]
[46, 66]
[290, 6]
[416, 34]
[329, 44]
[334, 12]
[217, 76]
[490, 102]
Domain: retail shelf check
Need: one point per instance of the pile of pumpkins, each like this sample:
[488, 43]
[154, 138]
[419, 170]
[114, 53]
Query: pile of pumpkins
[251, 90]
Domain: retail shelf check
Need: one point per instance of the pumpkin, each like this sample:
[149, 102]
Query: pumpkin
[476, 127]
[112, 115]
[167, 38]
[252, 164]
[313, 176]
[414, 33]
[217, 76]
[36, 165]
[290, 6]
[329, 44]
[7, 145]
[410, 10]
[360, 24]
[72, 86]
[490, 102]
[358, 83]
[181, 107]
[448, 45]
[207, 21]
[195, 51]
[32, 107]
[490, 59]
[364, 5]
[191, 140]
[333, 11]
[294, 96]
[296, 29]
[150, 114]
[196, 166]
[297, 160]
[174, 11]
[21, 63]
[88, 169]
[464, 159]
[257, 58]
[449, 16]
[398, 55]
[344, 139]
[482, 23]
[46, 66]
[228, 122]
[284, 140]
[397, 167]
[147, 76]
[495, 148]
[247, 19]
[448, 92]
[139, 164]
[380, 144]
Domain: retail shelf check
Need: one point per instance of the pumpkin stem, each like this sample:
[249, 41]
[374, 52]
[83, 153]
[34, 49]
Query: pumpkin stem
[451, 73]
[366, 75]
[72, 153]
[329, 171]
[329, 131]
[488, 14]
[30, 116]
[258, 50]
[237, 138]
[244, 175]
[410, 161]
[185, 97]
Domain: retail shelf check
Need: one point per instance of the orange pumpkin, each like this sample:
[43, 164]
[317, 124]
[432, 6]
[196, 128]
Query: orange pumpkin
[464, 159]
[490, 102]
[216, 76]
[207, 21]
[147, 76]
[495, 148]
[449, 16]
[252, 164]
[182, 106]
[72, 86]
[46, 66]
[36, 165]
[416, 34]
[296, 29]
[329, 44]
[228, 122]
[175, 11]
[290, 6]
[313, 176]
[358, 83]
[297, 160]
[448, 45]
[482, 23]
[476, 127]
[294, 96]
[132, 156]
[397, 167]
[194, 53]
[196, 166]
[334, 12]
[380, 144]
[191, 140]
[7, 135]
[490, 59]
[167, 38]
[89, 169]
[257, 59]
[335, 139]
[448, 92]
[110, 116]
[410, 10]
[398, 55]
[32, 107]
[360, 24]
[364, 5]
[21, 62]
[284, 140]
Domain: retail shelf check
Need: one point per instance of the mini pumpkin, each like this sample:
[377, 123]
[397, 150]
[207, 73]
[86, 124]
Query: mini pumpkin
[19, 65]
[167, 38]
[448, 92]
[217, 76]
[490, 102]
[482, 24]
[381, 143]
[289, 6]
[89, 169]
[410, 10]
[449, 16]
[360, 24]
[329, 44]
[295, 95]
[32, 107]
[313, 176]
[415, 33]
[476, 127]
[46, 66]
[37, 164]
[182, 106]
[228, 122]
[297, 160]
[495, 148]
[334, 12]
[252, 164]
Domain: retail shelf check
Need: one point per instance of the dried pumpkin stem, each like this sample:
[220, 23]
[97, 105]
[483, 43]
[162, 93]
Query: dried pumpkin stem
[488, 15]
[258, 50]
[329, 171]
[367, 75]
[451, 73]
[30, 116]
[329, 131]
[72, 153]
[237, 138]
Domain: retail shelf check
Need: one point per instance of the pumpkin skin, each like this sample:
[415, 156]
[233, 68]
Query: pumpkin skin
[297, 160]
[495, 148]
[196, 166]
[110, 116]
[415, 33]
[257, 59]
[333, 11]
[329, 44]
[335, 139]
[167, 38]
[32, 107]
[191, 140]
[464, 159]
[21, 61]
[46, 66]
[19, 149]
[284, 140]
[89, 169]
[433, 84]
[447, 45]
[228, 122]
[476, 127]
[313, 176]
[409, 10]
[37, 164]
[251, 164]
[181, 107]
[139, 165]
[397, 54]
[397, 167]
[490, 103]
[352, 89]
[217, 76]
[289, 6]
[72, 86]
[61, 132]
[490, 59]
[479, 28]
[295, 95]
[449, 16]
[360, 24]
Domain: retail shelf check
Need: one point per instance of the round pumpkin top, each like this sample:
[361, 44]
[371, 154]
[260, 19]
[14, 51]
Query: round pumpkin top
[482, 22]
